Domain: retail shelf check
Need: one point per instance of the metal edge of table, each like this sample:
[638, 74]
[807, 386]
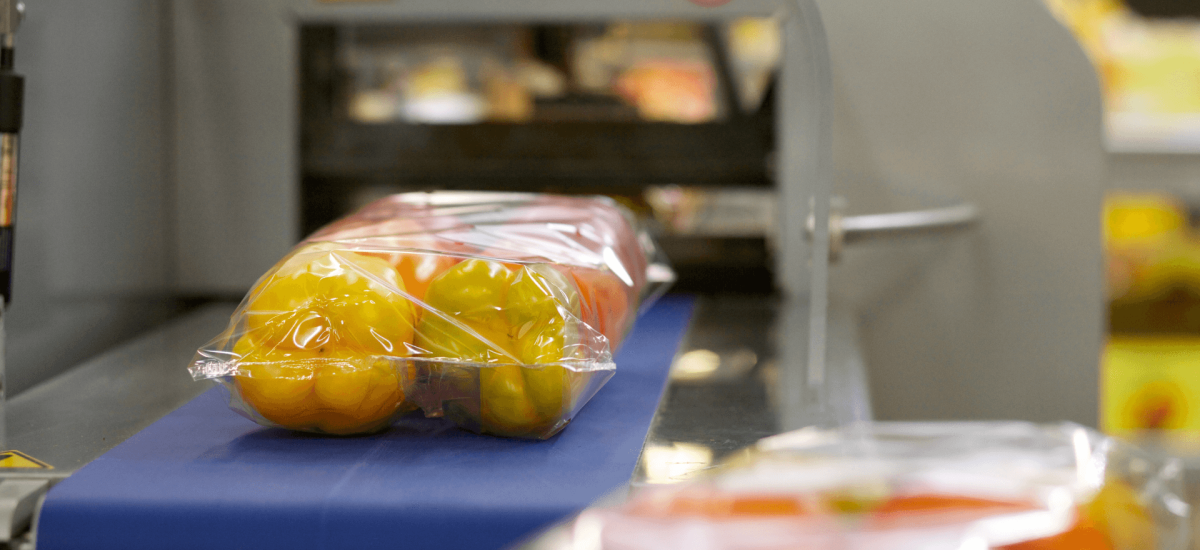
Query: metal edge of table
[73, 418]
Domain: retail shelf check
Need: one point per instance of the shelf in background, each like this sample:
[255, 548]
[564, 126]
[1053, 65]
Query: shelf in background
[546, 153]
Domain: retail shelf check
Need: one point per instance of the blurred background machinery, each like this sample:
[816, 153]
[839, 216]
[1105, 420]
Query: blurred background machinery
[187, 145]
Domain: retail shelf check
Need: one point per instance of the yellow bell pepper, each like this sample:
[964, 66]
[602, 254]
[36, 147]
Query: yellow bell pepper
[512, 326]
[1117, 512]
[543, 336]
[321, 297]
[325, 344]
[278, 384]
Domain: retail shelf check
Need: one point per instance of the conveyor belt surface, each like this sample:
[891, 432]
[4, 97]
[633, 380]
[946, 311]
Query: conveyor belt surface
[204, 477]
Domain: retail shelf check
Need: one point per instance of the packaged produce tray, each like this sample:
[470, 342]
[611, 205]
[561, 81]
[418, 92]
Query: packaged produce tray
[498, 311]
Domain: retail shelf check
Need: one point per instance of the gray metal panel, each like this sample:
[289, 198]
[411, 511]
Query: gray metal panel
[994, 103]
[91, 201]
[93, 234]
[235, 103]
[805, 150]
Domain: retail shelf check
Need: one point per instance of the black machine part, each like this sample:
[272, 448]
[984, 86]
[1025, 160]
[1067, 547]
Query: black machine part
[12, 94]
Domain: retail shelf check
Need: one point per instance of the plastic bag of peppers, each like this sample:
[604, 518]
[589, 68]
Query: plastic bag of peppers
[906, 486]
[498, 311]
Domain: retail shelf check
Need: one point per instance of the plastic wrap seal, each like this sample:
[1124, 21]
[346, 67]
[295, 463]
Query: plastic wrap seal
[499, 311]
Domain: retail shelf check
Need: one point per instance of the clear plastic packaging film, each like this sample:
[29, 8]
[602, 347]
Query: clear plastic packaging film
[499, 311]
[893, 486]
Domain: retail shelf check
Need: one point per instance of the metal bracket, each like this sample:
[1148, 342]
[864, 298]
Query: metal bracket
[18, 499]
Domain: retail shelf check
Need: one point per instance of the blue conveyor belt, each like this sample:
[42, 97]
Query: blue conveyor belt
[204, 477]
